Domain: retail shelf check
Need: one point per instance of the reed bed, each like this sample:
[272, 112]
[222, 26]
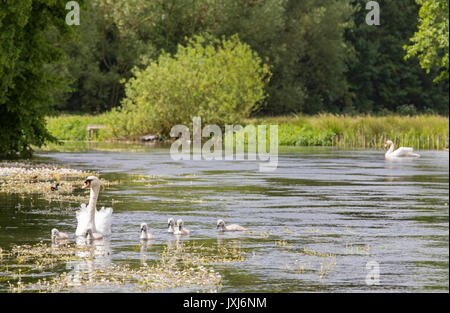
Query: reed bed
[430, 132]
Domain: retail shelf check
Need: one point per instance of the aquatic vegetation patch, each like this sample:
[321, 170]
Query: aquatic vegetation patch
[51, 182]
[326, 262]
[204, 255]
[177, 268]
[356, 249]
[43, 256]
[145, 278]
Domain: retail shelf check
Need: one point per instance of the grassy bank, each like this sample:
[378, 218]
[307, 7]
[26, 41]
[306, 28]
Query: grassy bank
[74, 127]
[421, 131]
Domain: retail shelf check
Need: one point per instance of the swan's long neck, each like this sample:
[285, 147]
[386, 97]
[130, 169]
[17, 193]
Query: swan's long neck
[92, 207]
[391, 149]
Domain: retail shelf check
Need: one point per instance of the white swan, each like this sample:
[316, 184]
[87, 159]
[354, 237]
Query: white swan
[171, 224]
[58, 236]
[144, 234]
[88, 217]
[180, 230]
[232, 227]
[401, 152]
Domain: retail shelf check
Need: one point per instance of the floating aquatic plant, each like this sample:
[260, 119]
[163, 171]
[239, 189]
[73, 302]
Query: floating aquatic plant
[177, 268]
[51, 182]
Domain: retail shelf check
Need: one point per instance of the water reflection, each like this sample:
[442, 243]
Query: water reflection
[93, 256]
[175, 243]
[144, 245]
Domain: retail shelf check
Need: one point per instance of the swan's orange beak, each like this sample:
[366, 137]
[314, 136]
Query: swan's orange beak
[87, 183]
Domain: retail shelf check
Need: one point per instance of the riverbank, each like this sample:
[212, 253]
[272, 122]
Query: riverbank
[420, 131]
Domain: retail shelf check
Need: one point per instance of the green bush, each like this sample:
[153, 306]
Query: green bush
[222, 81]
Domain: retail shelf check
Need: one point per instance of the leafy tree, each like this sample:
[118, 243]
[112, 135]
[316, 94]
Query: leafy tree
[430, 42]
[103, 55]
[222, 81]
[310, 61]
[303, 41]
[116, 36]
[379, 77]
[26, 84]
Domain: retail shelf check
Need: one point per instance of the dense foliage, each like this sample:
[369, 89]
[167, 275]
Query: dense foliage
[26, 84]
[219, 81]
[380, 79]
[430, 42]
[323, 56]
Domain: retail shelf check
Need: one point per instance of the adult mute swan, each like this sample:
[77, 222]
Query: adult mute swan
[98, 222]
[232, 227]
[144, 233]
[401, 152]
[180, 230]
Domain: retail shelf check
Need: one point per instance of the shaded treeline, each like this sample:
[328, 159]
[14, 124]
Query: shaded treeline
[323, 56]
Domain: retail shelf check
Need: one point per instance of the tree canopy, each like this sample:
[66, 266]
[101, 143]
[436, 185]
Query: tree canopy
[26, 84]
[430, 42]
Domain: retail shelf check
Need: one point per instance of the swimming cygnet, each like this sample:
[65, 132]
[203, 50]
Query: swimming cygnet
[232, 227]
[58, 236]
[90, 235]
[171, 224]
[180, 230]
[144, 234]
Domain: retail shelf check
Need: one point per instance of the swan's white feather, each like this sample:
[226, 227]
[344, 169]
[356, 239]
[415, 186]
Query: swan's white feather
[102, 220]
[82, 220]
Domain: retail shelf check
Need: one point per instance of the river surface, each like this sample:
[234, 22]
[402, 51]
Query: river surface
[326, 220]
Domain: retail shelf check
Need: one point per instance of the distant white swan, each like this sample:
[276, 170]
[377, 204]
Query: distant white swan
[232, 227]
[171, 225]
[58, 236]
[180, 230]
[144, 233]
[99, 222]
[401, 152]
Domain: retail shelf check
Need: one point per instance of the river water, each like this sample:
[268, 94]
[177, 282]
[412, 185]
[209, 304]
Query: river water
[326, 220]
